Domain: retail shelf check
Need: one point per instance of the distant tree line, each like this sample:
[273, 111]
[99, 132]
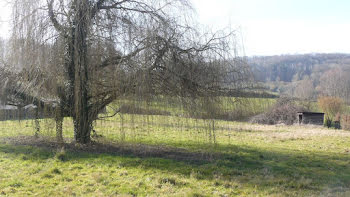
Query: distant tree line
[305, 76]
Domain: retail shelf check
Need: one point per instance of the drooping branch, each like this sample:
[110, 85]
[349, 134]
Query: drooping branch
[108, 49]
[59, 27]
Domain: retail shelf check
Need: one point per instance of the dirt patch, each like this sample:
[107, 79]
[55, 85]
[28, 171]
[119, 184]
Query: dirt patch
[139, 150]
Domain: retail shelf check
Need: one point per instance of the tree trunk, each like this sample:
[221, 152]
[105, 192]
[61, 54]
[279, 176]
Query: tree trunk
[81, 118]
[59, 124]
[82, 130]
[37, 123]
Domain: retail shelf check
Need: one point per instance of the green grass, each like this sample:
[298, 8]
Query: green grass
[236, 159]
[237, 107]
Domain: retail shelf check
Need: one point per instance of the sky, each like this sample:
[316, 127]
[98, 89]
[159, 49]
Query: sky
[5, 12]
[270, 27]
[274, 27]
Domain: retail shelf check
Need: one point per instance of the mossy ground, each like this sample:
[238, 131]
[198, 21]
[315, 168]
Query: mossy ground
[234, 159]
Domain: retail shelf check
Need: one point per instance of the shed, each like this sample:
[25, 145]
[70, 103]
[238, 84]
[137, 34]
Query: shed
[314, 118]
[8, 112]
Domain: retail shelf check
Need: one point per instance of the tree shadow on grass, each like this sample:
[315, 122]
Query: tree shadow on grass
[264, 168]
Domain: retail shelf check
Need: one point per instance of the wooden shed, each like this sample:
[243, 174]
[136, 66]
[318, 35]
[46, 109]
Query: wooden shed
[314, 118]
[8, 112]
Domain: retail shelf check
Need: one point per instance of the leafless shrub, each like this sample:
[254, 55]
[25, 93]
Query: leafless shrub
[331, 106]
[345, 122]
[284, 111]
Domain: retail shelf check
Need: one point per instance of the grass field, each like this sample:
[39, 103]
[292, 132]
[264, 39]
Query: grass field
[138, 155]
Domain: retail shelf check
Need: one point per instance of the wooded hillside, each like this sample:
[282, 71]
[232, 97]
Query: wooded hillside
[304, 76]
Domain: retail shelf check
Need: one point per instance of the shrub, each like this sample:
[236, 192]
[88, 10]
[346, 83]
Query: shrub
[284, 111]
[345, 122]
[331, 106]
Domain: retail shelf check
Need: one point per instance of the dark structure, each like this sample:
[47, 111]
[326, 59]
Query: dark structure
[310, 118]
[9, 112]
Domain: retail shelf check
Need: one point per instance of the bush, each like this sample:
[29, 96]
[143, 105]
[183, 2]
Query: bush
[283, 112]
[345, 122]
[331, 106]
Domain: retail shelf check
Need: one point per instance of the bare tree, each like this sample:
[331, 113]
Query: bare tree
[305, 91]
[335, 83]
[84, 54]
[331, 106]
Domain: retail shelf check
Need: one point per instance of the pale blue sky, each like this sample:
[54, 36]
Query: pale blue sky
[311, 10]
[272, 27]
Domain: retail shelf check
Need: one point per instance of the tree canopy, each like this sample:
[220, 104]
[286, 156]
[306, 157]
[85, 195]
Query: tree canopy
[83, 54]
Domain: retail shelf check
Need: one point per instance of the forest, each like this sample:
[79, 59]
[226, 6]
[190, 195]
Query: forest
[304, 76]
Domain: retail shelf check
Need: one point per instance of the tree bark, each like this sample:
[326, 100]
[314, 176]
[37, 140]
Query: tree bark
[82, 121]
[59, 124]
[37, 123]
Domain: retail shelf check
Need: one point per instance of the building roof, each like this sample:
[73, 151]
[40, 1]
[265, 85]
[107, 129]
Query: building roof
[12, 107]
[30, 106]
[309, 113]
[7, 107]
